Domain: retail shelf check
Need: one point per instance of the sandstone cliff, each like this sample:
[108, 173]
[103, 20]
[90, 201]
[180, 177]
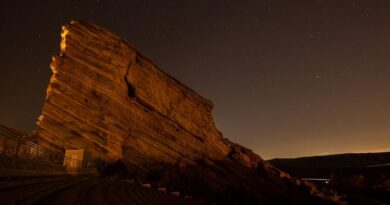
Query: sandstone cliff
[106, 97]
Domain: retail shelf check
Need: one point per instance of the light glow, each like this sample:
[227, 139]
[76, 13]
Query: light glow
[64, 32]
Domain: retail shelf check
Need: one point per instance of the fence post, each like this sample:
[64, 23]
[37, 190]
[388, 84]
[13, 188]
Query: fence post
[17, 147]
[5, 144]
[37, 151]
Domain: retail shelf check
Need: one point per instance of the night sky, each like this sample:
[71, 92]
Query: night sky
[287, 78]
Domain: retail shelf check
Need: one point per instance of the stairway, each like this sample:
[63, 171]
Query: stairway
[83, 190]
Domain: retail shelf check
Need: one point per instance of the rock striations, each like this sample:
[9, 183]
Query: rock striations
[107, 98]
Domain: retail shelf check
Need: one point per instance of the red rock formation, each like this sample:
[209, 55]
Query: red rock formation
[107, 98]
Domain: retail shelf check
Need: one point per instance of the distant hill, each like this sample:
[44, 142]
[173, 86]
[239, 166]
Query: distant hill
[322, 166]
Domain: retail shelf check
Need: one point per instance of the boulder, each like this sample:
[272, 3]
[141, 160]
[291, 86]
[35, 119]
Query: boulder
[107, 98]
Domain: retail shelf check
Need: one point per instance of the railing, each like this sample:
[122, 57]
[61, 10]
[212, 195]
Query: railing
[18, 152]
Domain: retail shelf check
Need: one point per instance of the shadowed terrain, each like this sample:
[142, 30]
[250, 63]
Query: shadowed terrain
[81, 190]
[362, 177]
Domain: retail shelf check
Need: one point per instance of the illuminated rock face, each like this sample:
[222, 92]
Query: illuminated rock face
[107, 98]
